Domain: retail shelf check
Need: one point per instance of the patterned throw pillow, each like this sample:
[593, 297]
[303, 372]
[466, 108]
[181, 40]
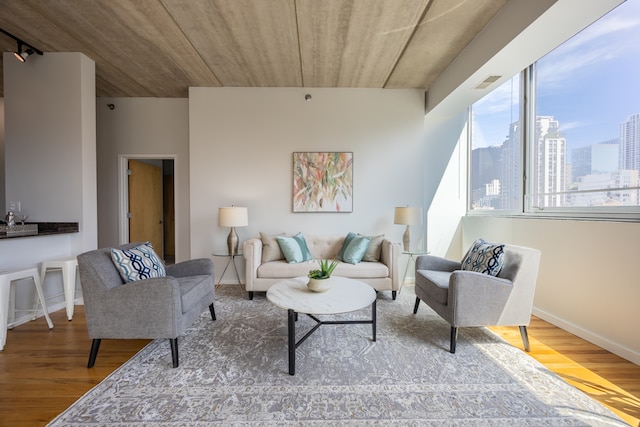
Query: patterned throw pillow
[140, 262]
[484, 258]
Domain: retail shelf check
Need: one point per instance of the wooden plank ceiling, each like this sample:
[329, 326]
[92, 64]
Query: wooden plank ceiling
[159, 48]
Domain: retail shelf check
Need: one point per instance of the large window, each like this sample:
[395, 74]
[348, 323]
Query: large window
[496, 154]
[582, 136]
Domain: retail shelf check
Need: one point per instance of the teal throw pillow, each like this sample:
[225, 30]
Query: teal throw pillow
[354, 248]
[345, 244]
[294, 248]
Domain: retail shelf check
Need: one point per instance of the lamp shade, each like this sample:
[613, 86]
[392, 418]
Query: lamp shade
[407, 215]
[233, 216]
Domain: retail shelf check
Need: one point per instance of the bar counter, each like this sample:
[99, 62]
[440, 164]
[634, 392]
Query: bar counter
[30, 229]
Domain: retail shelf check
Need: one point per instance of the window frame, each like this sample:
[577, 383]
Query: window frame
[527, 136]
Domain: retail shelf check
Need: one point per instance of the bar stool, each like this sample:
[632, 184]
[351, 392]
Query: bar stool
[68, 268]
[8, 276]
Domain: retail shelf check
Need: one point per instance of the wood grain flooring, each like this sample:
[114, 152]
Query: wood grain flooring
[43, 372]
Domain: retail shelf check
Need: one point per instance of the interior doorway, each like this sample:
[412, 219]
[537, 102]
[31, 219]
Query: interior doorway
[147, 203]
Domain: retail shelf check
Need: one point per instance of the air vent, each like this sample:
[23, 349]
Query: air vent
[487, 82]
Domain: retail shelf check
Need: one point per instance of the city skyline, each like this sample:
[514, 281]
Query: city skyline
[589, 84]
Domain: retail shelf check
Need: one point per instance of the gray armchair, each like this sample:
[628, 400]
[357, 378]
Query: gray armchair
[160, 307]
[467, 298]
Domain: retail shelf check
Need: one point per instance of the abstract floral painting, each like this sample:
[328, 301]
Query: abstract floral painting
[323, 182]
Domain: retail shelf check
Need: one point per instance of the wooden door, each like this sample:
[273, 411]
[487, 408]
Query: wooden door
[145, 204]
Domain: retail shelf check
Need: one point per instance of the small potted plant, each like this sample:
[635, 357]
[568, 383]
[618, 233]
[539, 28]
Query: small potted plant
[318, 279]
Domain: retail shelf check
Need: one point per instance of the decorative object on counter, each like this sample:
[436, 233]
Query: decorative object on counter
[10, 219]
[19, 230]
[233, 217]
[407, 215]
[320, 280]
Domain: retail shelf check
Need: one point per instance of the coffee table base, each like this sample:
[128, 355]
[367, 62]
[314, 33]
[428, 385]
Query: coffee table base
[293, 316]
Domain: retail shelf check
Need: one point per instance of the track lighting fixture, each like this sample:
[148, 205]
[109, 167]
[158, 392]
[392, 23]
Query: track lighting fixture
[21, 55]
[24, 49]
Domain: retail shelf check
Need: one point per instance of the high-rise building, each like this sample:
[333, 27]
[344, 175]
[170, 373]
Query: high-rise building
[596, 158]
[511, 182]
[549, 151]
[630, 143]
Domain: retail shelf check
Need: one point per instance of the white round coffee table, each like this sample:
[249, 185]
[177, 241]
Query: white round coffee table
[345, 295]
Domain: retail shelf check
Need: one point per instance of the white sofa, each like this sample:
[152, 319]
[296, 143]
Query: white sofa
[265, 264]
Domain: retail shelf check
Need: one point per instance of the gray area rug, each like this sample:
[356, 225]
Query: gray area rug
[234, 371]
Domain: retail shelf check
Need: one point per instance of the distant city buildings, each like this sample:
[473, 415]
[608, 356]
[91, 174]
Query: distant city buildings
[603, 174]
[549, 154]
[630, 143]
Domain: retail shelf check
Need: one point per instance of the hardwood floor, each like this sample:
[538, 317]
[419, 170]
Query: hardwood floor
[43, 372]
[605, 377]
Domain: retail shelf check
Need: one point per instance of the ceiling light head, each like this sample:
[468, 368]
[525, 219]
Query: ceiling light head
[22, 55]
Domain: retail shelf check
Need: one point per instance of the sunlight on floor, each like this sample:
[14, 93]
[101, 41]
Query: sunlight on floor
[621, 402]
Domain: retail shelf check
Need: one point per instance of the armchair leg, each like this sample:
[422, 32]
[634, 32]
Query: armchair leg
[394, 294]
[250, 295]
[454, 338]
[525, 338]
[415, 307]
[213, 312]
[95, 346]
[174, 351]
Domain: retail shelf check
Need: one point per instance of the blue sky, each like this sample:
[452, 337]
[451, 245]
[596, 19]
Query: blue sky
[590, 84]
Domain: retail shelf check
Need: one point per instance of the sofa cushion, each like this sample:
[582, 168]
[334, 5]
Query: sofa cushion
[483, 257]
[435, 284]
[363, 270]
[284, 270]
[270, 248]
[354, 248]
[140, 262]
[374, 250]
[294, 248]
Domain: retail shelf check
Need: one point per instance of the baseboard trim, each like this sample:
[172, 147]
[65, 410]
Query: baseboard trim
[613, 347]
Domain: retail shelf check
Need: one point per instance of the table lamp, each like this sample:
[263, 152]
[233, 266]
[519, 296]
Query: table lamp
[233, 217]
[407, 215]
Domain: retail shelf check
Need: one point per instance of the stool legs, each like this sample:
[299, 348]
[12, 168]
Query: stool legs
[43, 301]
[69, 279]
[5, 285]
[6, 277]
[68, 268]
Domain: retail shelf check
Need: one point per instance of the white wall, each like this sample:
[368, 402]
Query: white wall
[147, 128]
[445, 183]
[50, 162]
[588, 282]
[241, 146]
[50, 129]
